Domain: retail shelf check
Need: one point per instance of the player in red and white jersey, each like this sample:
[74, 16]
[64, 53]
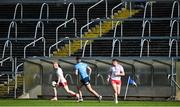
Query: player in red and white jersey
[114, 77]
[61, 82]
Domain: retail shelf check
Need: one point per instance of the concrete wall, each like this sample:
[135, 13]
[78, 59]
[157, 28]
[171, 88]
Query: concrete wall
[149, 86]
[178, 80]
[32, 79]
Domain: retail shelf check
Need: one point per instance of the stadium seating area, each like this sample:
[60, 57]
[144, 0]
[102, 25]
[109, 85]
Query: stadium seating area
[33, 28]
[134, 29]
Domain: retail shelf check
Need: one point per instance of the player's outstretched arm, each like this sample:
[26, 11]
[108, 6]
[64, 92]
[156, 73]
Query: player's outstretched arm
[76, 72]
[122, 73]
[90, 70]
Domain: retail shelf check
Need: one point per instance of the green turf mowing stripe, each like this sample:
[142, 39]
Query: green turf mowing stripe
[85, 103]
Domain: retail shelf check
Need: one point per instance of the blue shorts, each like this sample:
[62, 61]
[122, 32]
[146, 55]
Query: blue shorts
[85, 81]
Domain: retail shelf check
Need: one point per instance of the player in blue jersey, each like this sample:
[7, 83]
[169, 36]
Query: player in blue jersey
[85, 71]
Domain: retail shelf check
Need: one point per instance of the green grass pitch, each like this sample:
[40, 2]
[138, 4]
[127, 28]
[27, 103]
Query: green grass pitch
[10, 102]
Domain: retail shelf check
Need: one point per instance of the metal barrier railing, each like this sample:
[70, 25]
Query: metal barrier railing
[113, 46]
[172, 28]
[142, 46]
[40, 24]
[115, 29]
[106, 8]
[145, 40]
[10, 55]
[171, 76]
[7, 83]
[67, 12]
[32, 20]
[172, 22]
[130, 8]
[172, 72]
[152, 37]
[75, 28]
[137, 19]
[144, 27]
[86, 25]
[15, 11]
[17, 68]
[172, 12]
[171, 41]
[6, 59]
[170, 47]
[13, 24]
[9, 72]
[16, 85]
[10, 58]
[47, 11]
[84, 48]
[93, 7]
[112, 11]
[145, 21]
[5, 46]
[145, 10]
[32, 43]
[56, 44]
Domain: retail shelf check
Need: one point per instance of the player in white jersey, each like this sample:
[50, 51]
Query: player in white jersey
[114, 76]
[61, 82]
